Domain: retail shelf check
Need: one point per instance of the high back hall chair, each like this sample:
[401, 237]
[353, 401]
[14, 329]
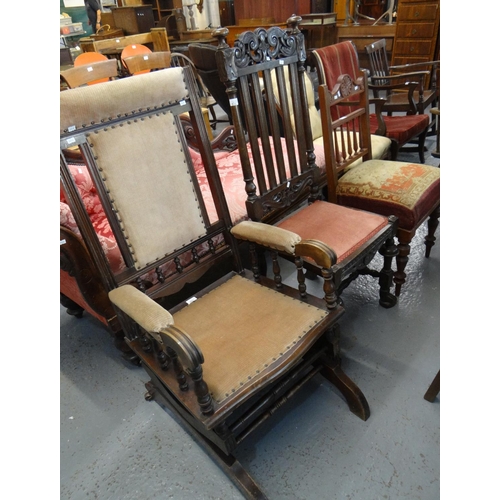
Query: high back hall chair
[342, 58]
[228, 357]
[409, 191]
[281, 179]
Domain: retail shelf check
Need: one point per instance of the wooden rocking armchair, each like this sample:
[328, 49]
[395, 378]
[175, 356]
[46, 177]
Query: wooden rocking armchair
[228, 357]
[281, 178]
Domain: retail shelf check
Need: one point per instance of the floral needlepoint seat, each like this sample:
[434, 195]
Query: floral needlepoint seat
[409, 191]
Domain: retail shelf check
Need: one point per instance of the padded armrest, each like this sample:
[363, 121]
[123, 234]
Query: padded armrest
[284, 240]
[141, 308]
[158, 322]
[267, 235]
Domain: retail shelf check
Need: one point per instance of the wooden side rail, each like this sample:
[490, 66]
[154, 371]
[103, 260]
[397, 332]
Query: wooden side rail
[157, 36]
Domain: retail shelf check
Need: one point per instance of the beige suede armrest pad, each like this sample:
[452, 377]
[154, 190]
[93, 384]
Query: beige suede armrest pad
[267, 235]
[142, 309]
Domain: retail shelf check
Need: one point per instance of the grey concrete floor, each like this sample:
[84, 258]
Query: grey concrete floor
[115, 445]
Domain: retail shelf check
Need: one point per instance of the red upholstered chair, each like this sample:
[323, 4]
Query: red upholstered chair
[342, 58]
[409, 191]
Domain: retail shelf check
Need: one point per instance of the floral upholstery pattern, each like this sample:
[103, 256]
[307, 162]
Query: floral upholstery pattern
[229, 168]
[406, 190]
[96, 213]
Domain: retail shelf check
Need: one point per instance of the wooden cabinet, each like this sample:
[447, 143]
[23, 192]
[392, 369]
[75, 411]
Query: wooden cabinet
[417, 32]
[163, 8]
[133, 19]
[364, 34]
[279, 10]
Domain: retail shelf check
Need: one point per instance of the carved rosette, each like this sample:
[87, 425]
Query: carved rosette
[346, 86]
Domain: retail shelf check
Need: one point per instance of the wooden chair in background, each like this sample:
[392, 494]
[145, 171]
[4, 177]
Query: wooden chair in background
[156, 38]
[425, 74]
[133, 50]
[280, 174]
[225, 359]
[91, 73]
[342, 58]
[409, 191]
[147, 61]
[206, 99]
[203, 57]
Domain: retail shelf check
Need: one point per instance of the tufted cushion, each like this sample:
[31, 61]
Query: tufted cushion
[406, 190]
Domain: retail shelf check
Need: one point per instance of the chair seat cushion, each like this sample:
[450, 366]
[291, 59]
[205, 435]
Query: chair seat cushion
[380, 148]
[237, 344]
[406, 190]
[401, 128]
[345, 232]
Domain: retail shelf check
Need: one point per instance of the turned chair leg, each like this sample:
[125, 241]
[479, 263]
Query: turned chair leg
[394, 150]
[388, 251]
[432, 225]
[401, 261]
[421, 146]
[72, 308]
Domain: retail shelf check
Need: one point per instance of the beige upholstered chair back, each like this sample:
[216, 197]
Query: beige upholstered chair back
[141, 160]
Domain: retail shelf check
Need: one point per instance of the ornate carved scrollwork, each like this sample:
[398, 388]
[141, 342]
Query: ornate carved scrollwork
[287, 196]
[260, 45]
